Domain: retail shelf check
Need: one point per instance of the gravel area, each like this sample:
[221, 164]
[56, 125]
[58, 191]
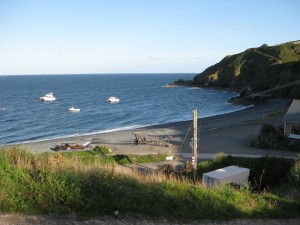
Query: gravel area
[18, 219]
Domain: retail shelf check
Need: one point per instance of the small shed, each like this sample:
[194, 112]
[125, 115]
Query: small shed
[292, 120]
[231, 174]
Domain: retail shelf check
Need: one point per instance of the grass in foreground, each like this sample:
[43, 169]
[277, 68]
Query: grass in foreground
[54, 183]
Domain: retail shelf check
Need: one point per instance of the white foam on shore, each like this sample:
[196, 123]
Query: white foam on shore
[126, 128]
[81, 135]
[227, 112]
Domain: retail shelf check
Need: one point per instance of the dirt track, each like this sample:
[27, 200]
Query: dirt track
[17, 219]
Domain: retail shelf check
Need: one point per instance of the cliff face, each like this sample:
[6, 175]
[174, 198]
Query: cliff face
[260, 69]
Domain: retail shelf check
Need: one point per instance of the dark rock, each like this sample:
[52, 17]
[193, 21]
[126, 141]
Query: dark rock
[247, 91]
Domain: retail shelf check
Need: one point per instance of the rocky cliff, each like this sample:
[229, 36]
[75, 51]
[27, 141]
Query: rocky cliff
[261, 68]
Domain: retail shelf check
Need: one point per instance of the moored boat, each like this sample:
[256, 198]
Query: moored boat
[113, 100]
[72, 109]
[48, 97]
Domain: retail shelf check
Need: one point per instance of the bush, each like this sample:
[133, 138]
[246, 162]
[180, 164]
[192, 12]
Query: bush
[102, 150]
[296, 146]
[272, 170]
[259, 143]
[219, 157]
[166, 169]
[294, 176]
[267, 129]
[274, 138]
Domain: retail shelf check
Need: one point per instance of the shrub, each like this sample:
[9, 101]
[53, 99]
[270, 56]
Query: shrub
[296, 146]
[219, 157]
[102, 150]
[267, 129]
[272, 170]
[294, 176]
[166, 169]
[274, 138]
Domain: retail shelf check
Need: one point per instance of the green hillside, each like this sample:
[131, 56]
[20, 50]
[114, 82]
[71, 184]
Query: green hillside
[259, 68]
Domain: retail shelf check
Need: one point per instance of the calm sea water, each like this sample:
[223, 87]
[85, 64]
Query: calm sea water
[143, 102]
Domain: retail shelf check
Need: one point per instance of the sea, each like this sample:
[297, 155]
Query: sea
[144, 101]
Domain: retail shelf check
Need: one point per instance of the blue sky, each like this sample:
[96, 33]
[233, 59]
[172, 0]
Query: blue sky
[133, 36]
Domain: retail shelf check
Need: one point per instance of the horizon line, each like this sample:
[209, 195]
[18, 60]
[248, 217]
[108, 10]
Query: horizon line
[125, 73]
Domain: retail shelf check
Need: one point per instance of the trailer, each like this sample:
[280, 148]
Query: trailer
[141, 138]
[231, 174]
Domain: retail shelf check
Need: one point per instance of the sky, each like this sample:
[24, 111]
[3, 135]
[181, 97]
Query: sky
[137, 36]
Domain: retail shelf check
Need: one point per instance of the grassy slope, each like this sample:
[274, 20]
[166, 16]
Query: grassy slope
[260, 68]
[52, 183]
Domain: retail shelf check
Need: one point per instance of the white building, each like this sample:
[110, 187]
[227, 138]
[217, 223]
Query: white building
[231, 174]
[292, 120]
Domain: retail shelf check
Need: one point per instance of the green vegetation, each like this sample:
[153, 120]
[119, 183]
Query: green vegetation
[265, 173]
[259, 68]
[101, 150]
[273, 137]
[68, 182]
[136, 159]
[102, 155]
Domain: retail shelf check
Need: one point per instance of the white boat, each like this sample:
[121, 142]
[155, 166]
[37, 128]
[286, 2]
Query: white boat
[169, 85]
[72, 109]
[113, 100]
[48, 97]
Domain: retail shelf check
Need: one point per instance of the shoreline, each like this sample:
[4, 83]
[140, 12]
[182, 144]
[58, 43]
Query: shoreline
[132, 127]
[231, 130]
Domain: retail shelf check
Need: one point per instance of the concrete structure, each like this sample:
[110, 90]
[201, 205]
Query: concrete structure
[292, 120]
[231, 174]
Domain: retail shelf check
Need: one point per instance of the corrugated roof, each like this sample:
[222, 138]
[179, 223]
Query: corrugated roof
[293, 113]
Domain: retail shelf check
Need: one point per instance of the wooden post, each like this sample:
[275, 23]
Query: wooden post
[195, 153]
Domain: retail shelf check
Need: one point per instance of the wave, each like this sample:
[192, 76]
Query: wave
[143, 104]
[80, 135]
[227, 111]
[132, 127]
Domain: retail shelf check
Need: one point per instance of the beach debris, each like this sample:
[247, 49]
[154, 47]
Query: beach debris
[169, 158]
[86, 144]
[96, 140]
[141, 138]
[69, 145]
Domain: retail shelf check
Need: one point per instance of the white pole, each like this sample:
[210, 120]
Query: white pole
[195, 154]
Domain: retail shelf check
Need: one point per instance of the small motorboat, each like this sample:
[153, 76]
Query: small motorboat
[48, 97]
[72, 109]
[113, 100]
